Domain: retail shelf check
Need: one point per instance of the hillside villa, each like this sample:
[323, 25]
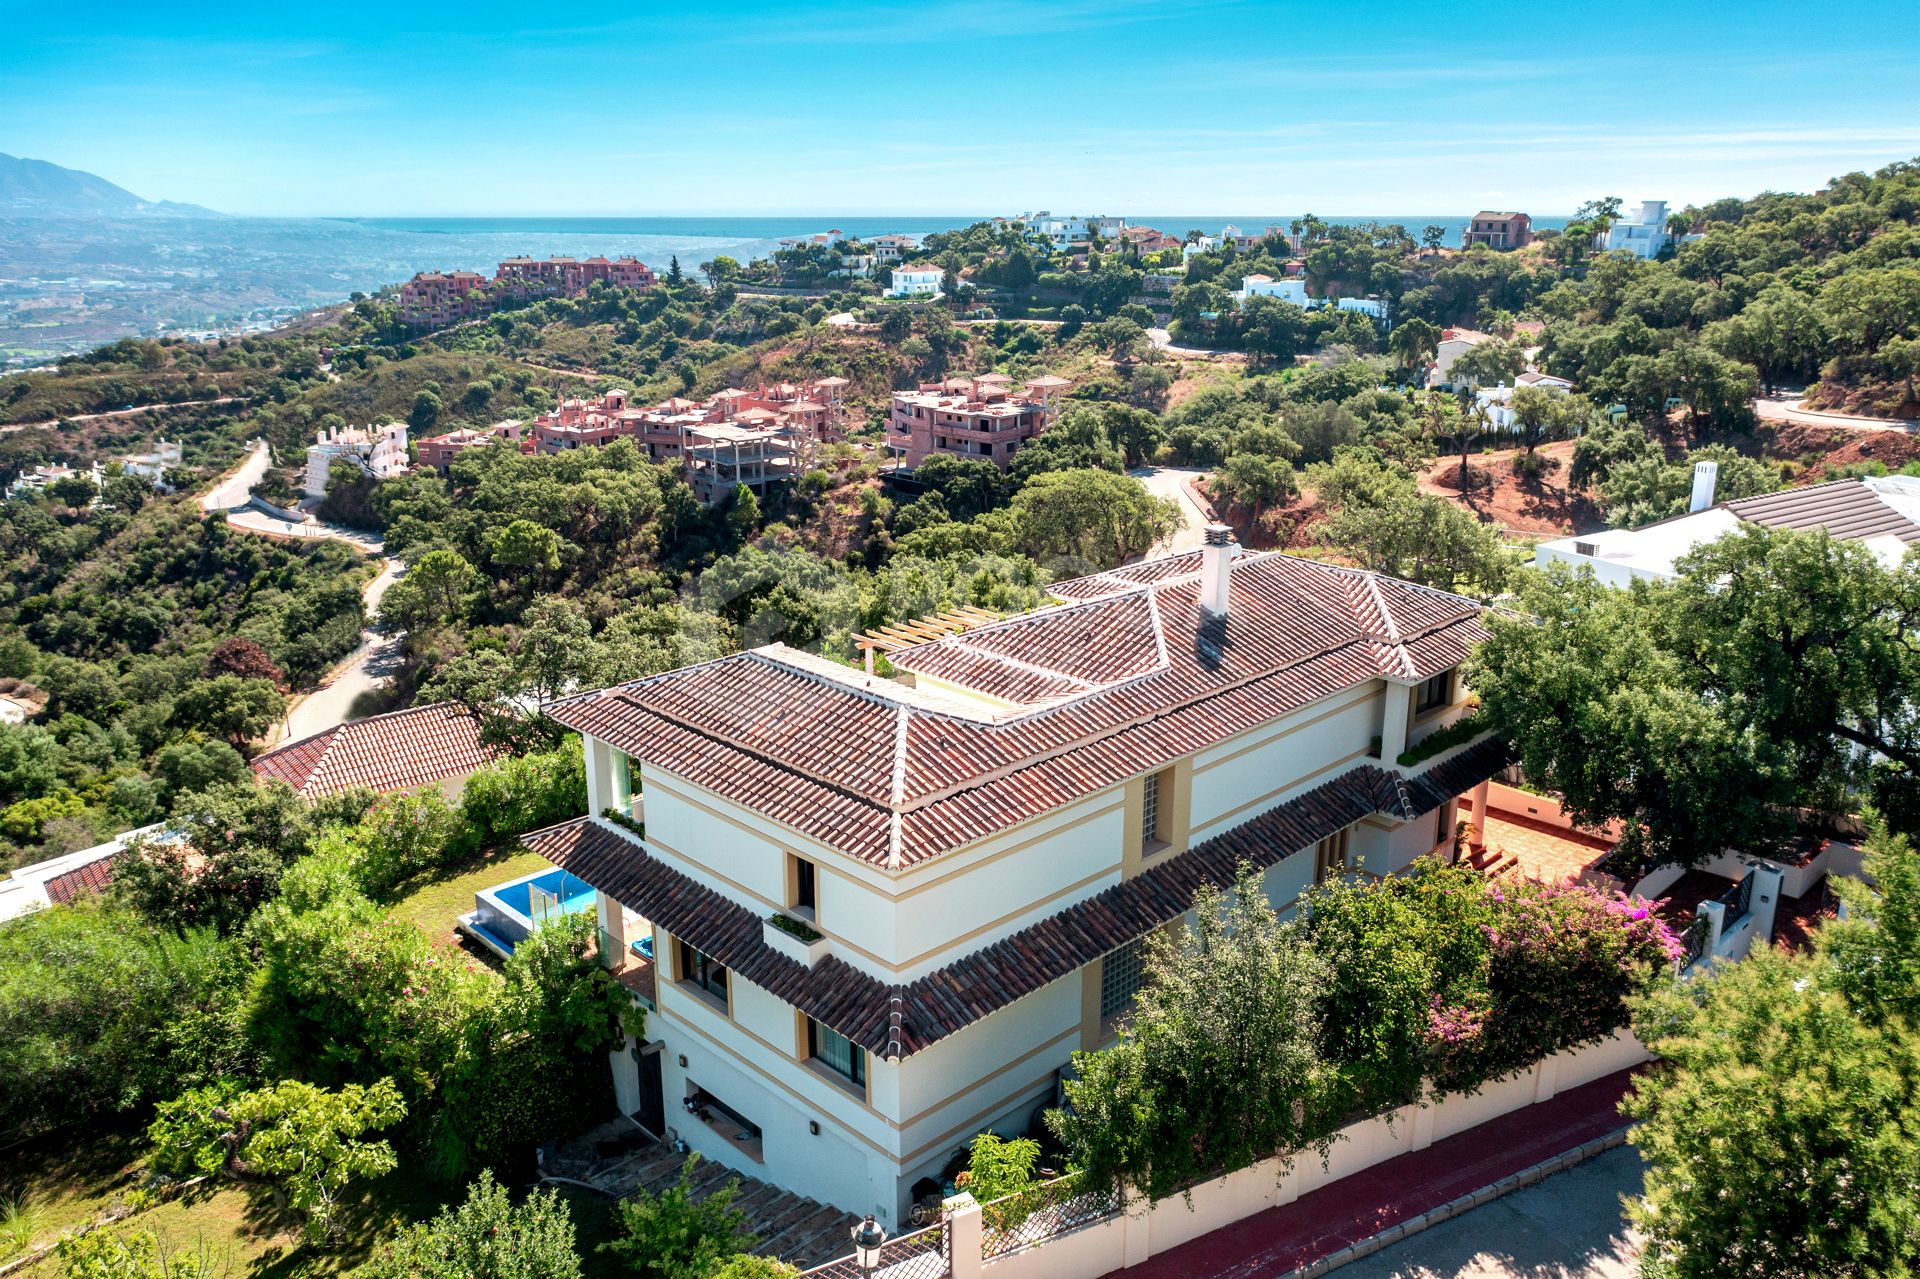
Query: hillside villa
[1880, 512]
[434, 745]
[1498, 230]
[921, 280]
[1294, 290]
[1643, 233]
[979, 416]
[377, 451]
[887, 911]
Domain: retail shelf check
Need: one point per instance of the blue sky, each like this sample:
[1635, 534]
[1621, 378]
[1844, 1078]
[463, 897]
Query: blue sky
[954, 105]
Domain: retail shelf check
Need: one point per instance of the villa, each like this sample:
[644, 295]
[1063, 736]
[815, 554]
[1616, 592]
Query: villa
[1882, 513]
[1644, 234]
[436, 745]
[921, 280]
[378, 451]
[1499, 230]
[1294, 290]
[887, 911]
[976, 416]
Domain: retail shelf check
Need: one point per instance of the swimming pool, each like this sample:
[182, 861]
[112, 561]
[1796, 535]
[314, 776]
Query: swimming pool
[505, 914]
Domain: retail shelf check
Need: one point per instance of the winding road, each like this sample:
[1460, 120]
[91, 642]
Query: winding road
[1172, 482]
[370, 665]
[1784, 409]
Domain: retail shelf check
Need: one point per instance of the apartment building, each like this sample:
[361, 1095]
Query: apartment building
[980, 416]
[438, 451]
[751, 437]
[1499, 230]
[887, 911]
[434, 299]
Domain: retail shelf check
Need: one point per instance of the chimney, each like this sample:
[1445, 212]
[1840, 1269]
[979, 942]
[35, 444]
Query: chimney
[1704, 475]
[1216, 560]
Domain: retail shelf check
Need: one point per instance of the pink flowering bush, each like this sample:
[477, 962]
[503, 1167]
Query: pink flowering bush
[1564, 961]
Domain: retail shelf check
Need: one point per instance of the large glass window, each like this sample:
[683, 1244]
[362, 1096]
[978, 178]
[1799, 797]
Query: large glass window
[836, 1052]
[700, 969]
[1435, 693]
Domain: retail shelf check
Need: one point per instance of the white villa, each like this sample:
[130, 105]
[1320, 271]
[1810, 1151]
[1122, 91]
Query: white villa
[887, 910]
[1882, 513]
[1295, 291]
[919, 280]
[1643, 235]
[379, 451]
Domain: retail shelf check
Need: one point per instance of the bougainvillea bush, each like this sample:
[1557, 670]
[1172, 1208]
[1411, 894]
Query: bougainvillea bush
[1564, 960]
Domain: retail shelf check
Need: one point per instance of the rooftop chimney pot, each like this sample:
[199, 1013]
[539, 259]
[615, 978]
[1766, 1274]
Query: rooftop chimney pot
[1705, 475]
[1216, 565]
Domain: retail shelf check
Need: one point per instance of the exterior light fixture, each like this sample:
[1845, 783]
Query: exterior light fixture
[868, 1237]
[813, 1126]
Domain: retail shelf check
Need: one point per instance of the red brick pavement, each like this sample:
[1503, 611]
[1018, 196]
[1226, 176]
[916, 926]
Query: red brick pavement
[1315, 1225]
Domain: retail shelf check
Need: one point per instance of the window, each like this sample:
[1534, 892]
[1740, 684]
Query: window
[837, 1053]
[1440, 832]
[1120, 974]
[1150, 810]
[803, 898]
[1435, 693]
[1330, 856]
[702, 970]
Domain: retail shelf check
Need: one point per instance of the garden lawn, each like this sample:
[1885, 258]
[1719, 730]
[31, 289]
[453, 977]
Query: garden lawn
[434, 903]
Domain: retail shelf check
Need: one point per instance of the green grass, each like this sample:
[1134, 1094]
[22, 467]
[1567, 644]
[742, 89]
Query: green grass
[434, 903]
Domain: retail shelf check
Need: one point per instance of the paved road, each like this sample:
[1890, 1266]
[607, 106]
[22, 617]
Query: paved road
[1570, 1226]
[1171, 481]
[1163, 340]
[368, 667]
[1786, 409]
[233, 490]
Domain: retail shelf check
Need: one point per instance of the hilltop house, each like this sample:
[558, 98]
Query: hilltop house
[1644, 234]
[970, 417]
[887, 911]
[1499, 230]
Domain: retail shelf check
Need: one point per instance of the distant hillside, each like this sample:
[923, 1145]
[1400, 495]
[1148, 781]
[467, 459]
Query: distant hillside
[38, 188]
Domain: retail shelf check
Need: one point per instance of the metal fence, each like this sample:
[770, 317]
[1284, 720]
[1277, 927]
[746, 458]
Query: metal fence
[1694, 942]
[920, 1255]
[1039, 1213]
[1738, 900]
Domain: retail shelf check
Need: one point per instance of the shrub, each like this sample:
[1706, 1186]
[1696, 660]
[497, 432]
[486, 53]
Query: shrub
[671, 1236]
[137, 1254]
[507, 799]
[486, 1237]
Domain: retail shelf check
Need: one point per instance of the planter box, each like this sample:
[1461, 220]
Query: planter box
[801, 952]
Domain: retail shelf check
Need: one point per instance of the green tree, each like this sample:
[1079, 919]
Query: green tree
[424, 413]
[674, 1235]
[133, 1254]
[1092, 517]
[1493, 363]
[301, 1142]
[229, 707]
[525, 544]
[1779, 1129]
[435, 590]
[1412, 343]
[487, 1237]
[1218, 1066]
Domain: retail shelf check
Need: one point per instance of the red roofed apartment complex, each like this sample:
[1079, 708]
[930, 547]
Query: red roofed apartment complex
[438, 451]
[970, 417]
[982, 845]
[434, 299]
[1499, 230]
[437, 745]
[754, 438]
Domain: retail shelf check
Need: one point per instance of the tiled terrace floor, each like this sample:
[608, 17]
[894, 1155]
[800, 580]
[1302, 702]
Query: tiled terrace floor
[1538, 850]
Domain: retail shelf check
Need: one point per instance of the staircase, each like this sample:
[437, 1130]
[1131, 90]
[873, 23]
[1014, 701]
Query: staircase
[791, 1227]
[1492, 862]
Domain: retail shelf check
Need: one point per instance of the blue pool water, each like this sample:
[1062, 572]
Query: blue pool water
[575, 894]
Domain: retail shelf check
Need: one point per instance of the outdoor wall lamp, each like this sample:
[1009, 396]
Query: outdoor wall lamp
[868, 1237]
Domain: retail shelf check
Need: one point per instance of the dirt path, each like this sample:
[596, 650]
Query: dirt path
[127, 412]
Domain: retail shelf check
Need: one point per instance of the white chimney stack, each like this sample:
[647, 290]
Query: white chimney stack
[1216, 563]
[1704, 476]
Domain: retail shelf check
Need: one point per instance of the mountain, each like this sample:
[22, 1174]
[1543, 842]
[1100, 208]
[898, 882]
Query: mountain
[38, 188]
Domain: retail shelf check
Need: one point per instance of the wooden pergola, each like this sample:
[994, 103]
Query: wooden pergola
[919, 630]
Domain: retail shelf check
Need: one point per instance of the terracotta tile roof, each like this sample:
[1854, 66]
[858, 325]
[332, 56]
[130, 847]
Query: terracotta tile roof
[897, 1020]
[1123, 680]
[396, 751]
[94, 877]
